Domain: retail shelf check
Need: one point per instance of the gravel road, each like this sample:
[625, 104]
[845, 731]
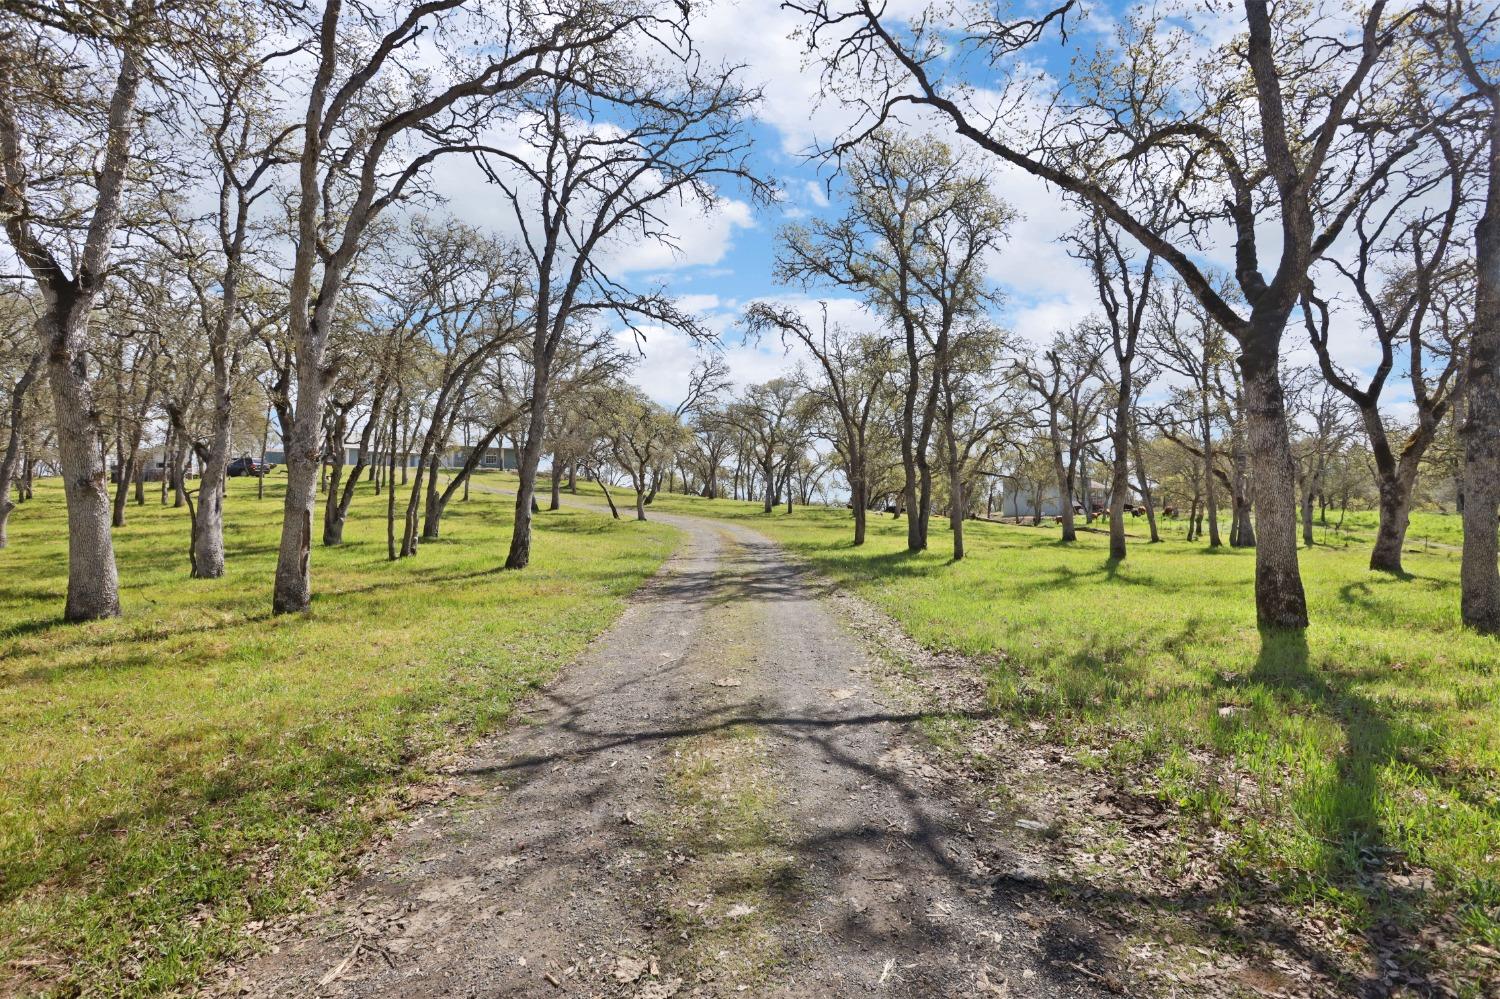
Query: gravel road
[717, 799]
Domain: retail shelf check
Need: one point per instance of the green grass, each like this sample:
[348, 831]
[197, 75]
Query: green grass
[1372, 739]
[1426, 529]
[196, 765]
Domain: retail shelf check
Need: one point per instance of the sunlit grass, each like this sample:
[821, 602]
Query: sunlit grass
[1372, 737]
[198, 764]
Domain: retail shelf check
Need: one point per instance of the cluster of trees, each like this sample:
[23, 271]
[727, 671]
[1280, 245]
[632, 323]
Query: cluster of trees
[1308, 135]
[227, 229]
[201, 202]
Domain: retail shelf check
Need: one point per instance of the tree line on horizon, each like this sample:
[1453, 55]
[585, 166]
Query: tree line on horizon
[226, 228]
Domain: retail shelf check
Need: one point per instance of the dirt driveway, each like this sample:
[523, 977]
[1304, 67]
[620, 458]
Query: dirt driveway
[717, 799]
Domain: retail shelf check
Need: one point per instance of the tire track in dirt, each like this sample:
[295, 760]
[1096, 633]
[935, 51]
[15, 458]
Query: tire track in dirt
[716, 799]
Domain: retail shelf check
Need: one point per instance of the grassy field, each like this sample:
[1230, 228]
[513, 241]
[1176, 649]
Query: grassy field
[1371, 740]
[198, 765]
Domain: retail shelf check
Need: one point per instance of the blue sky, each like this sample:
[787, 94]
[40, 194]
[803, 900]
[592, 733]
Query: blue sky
[726, 255]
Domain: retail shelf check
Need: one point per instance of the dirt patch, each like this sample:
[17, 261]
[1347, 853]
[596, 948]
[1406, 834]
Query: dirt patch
[717, 799]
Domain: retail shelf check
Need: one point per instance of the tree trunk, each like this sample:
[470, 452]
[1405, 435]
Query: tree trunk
[1064, 481]
[390, 494]
[956, 513]
[613, 510]
[265, 441]
[432, 516]
[555, 503]
[1119, 483]
[93, 582]
[166, 463]
[413, 504]
[13, 443]
[180, 460]
[1480, 432]
[859, 498]
[334, 519]
[333, 527]
[1279, 598]
[1143, 483]
[293, 588]
[1307, 518]
[1210, 496]
[124, 466]
[530, 458]
[206, 547]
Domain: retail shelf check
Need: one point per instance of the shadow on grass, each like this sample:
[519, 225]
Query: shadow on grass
[1347, 813]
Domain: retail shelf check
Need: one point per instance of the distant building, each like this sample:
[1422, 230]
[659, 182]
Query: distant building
[1019, 502]
[497, 458]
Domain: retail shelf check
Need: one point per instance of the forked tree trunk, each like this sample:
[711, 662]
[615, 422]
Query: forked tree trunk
[93, 582]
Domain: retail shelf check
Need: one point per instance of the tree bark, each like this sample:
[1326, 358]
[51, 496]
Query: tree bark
[613, 511]
[12, 454]
[93, 582]
[1144, 484]
[1064, 479]
[519, 555]
[1279, 598]
[1210, 497]
[859, 498]
[1480, 432]
[1119, 483]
